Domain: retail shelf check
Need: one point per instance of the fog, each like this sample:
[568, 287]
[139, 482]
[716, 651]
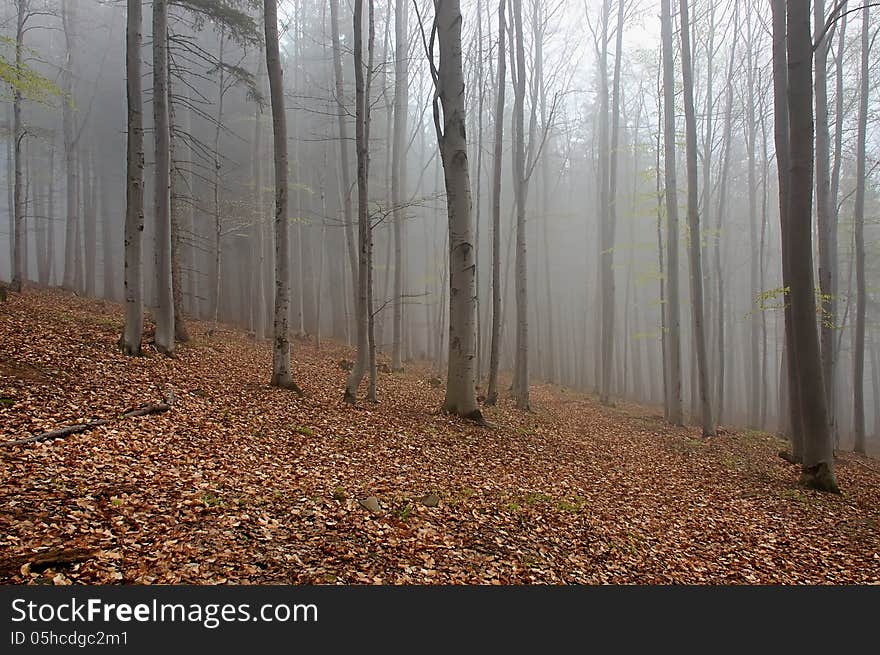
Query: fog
[596, 214]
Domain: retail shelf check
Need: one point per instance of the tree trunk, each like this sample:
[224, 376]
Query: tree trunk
[699, 336]
[134, 188]
[521, 365]
[363, 279]
[19, 271]
[259, 256]
[345, 175]
[673, 315]
[824, 215]
[180, 332]
[781, 136]
[859, 229]
[818, 457]
[398, 171]
[90, 227]
[461, 398]
[495, 344]
[70, 259]
[281, 375]
[162, 186]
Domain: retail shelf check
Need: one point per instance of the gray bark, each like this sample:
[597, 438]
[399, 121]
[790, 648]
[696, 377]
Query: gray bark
[699, 333]
[281, 374]
[162, 185]
[134, 188]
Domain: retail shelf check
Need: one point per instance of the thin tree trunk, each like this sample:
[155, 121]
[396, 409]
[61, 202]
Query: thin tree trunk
[19, 270]
[694, 225]
[70, 259]
[161, 188]
[362, 294]
[134, 188]
[521, 366]
[281, 374]
[673, 315]
[345, 175]
[495, 345]
[180, 332]
[859, 229]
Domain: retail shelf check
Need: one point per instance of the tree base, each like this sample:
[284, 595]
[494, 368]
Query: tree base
[348, 397]
[288, 384]
[819, 477]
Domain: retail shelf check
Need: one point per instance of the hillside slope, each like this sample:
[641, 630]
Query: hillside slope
[242, 483]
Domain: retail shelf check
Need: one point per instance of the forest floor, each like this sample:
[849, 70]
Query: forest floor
[243, 483]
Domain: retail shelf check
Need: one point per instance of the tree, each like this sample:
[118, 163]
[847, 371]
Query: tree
[362, 305]
[162, 184]
[495, 344]
[342, 133]
[281, 374]
[461, 397]
[521, 362]
[398, 171]
[859, 228]
[70, 159]
[134, 187]
[694, 254]
[673, 316]
[19, 274]
[824, 215]
[818, 457]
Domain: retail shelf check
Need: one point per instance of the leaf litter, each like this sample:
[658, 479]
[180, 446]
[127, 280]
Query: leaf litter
[241, 483]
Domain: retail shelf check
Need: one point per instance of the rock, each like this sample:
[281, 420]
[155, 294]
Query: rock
[429, 500]
[435, 382]
[371, 503]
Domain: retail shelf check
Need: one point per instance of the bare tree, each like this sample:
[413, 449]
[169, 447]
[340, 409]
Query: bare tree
[673, 316]
[699, 333]
[162, 184]
[398, 171]
[818, 457]
[134, 187]
[859, 228]
[281, 374]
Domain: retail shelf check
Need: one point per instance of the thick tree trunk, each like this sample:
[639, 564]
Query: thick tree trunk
[818, 457]
[699, 336]
[673, 313]
[498, 153]
[134, 188]
[281, 375]
[859, 228]
[461, 398]
[781, 136]
[162, 185]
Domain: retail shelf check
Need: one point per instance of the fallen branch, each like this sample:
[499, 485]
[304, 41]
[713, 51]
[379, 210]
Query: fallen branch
[48, 559]
[77, 428]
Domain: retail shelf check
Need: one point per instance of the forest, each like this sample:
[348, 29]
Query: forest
[439, 291]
